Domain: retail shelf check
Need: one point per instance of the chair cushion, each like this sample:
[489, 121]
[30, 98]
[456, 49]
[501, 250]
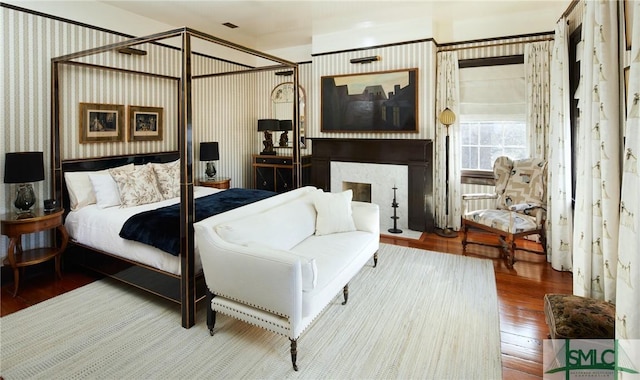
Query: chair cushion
[500, 219]
[575, 317]
[524, 183]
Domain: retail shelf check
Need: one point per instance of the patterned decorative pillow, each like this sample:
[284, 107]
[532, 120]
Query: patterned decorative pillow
[138, 187]
[168, 176]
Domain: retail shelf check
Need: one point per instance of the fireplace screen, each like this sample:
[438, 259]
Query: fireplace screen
[361, 191]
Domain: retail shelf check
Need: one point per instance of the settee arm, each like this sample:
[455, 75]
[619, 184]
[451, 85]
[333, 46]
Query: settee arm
[366, 216]
[258, 276]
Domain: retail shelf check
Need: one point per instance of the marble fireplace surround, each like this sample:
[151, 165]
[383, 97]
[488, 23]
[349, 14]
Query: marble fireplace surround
[416, 154]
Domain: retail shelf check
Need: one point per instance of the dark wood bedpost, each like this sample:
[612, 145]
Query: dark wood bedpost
[187, 209]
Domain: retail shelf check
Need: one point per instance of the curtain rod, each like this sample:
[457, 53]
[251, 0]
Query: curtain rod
[570, 8]
[496, 44]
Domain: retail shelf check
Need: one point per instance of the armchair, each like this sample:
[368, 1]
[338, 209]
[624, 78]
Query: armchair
[520, 206]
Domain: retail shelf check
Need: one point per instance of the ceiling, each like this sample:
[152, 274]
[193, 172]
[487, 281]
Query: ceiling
[270, 25]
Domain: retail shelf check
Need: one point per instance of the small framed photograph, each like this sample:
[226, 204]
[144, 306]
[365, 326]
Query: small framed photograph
[101, 122]
[145, 123]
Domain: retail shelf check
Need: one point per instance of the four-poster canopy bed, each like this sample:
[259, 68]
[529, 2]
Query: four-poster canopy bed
[186, 284]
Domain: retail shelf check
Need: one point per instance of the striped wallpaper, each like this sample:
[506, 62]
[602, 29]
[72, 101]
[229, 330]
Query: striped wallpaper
[420, 55]
[225, 109]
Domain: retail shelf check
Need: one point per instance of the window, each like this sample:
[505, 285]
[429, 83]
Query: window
[484, 141]
[492, 112]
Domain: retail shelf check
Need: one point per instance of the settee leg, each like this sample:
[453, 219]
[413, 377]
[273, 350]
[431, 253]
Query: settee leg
[345, 292]
[375, 259]
[294, 353]
[211, 315]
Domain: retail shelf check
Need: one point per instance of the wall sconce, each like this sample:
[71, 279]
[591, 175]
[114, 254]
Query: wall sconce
[209, 152]
[266, 126]
[23, 168]
[284, 73]
[366, 59]
[131, 51]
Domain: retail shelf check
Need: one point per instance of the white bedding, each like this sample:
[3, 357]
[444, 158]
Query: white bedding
[100, 228]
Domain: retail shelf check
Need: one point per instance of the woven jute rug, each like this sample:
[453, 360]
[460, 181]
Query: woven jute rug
[419, 314]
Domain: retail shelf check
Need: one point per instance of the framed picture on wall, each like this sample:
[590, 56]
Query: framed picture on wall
[372, 102]
[101, 122]
[145, 123]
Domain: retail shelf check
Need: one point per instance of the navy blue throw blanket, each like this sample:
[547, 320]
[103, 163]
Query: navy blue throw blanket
[161, 227]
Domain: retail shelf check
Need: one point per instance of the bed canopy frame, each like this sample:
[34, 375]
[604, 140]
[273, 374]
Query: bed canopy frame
[188, 296]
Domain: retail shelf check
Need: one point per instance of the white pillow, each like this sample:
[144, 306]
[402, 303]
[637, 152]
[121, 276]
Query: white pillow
[80, 189]
[105, 189]
[334, 212]
[168, 175]
[138, 187]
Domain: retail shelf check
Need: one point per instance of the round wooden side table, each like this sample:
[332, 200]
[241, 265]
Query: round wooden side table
[15, 225]
[217, 182]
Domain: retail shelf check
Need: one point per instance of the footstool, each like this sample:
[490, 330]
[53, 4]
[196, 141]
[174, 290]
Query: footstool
[575, 317]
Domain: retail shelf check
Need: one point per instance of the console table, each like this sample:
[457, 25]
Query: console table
[275, 173]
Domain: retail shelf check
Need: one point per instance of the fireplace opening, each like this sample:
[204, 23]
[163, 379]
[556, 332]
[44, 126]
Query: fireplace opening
[361, 191]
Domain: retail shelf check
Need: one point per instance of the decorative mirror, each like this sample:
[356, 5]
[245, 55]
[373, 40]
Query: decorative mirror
[282, 99]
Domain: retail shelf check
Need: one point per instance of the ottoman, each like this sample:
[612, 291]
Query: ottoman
[575, 317]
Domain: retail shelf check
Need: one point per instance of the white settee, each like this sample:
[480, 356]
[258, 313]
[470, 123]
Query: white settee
[277, 263]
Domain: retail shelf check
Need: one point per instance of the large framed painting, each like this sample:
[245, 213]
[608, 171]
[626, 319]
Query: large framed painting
[145, 123]
[373, 102]
[101, 122]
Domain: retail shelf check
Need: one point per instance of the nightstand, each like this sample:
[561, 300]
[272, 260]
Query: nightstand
[15, 225]
[217, 182]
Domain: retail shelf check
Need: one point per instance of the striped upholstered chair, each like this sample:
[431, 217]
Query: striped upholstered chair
[520, 205]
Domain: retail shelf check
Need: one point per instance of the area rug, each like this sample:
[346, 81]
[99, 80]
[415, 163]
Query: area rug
[419, 314]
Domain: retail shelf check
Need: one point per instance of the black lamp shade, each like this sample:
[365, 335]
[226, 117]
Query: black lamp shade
[286, 125]
[268, 124]
[209, 151]
[23, 167]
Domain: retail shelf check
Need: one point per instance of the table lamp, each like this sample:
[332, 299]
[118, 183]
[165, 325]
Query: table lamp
[266, 126]
[23, 168]
[285, 127]
[209, 152]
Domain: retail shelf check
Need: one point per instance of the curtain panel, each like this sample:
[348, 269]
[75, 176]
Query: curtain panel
[559, 224]
[447, 95]
[595, 236]
[536, 73]
[628, 264]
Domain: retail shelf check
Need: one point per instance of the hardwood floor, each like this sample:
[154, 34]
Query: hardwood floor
[520, 295]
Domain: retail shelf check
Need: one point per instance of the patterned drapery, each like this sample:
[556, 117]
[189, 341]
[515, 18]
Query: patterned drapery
[628, 263]
[559, 225]
[536, 75]
[447, 95]
[597, 210]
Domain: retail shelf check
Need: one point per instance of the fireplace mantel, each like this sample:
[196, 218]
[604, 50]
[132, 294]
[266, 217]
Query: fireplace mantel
[416, 154]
